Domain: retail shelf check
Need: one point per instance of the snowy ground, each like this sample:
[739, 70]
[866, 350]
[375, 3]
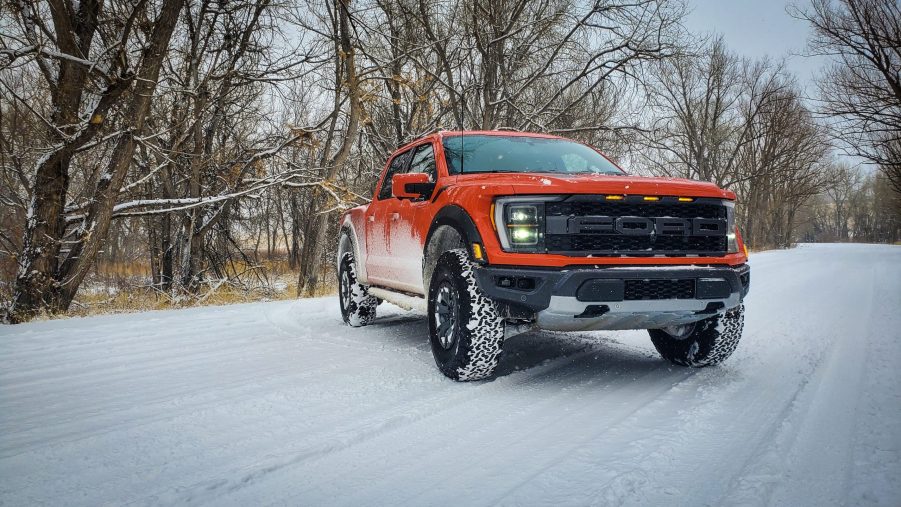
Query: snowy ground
[280, 403]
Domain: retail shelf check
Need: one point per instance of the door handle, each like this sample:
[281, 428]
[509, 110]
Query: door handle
[395, 216]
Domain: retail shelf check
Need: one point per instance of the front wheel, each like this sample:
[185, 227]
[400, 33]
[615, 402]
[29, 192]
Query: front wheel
[465, 330]
[705, 343]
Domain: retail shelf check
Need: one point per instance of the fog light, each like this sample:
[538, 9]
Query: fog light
[525, 283]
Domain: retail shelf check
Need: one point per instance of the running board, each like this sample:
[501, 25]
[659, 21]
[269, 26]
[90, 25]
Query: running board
[405, 301]
[419, 304]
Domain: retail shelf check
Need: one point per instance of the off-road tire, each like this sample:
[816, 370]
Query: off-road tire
[357, 305]
[711, 341]
[478, 333]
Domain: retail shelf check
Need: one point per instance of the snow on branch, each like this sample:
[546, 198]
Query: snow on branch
[14, 54]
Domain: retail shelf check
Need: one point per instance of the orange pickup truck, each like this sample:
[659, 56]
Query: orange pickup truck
[494, 233]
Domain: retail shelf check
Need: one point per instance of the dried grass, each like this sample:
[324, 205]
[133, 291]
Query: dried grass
[123, 287]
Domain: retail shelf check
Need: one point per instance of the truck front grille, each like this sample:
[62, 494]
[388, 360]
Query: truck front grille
[582, 207]
[583, 225]
[631, 244]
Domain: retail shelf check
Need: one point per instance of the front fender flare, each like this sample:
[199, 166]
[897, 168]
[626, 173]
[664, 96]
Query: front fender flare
[456, 217]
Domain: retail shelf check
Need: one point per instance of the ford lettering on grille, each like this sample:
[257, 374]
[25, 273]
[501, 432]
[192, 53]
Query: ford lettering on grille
[641, 226]
[580, 227]
[637, 226]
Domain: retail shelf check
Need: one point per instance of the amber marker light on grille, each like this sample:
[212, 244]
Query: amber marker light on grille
[651, 198]
[614, 198]
[686, 199]
[493, 220]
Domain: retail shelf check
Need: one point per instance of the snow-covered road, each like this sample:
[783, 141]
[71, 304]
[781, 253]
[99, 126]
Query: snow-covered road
[280, 403]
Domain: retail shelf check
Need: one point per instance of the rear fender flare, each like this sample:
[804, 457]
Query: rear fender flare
[348, 241]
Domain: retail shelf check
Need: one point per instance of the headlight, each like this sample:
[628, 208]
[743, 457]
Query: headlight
[732, 242]
[520, 222]
[731, 236]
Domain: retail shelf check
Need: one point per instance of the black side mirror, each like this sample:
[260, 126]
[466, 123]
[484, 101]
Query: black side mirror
[424, 190]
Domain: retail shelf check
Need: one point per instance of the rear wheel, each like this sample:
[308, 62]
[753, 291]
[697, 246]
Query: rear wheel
[357, 306]
[465, 330]
[705, 343]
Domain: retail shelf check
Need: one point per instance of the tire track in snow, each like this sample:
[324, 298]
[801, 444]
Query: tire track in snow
[396, 429]
[168, 405]
[430, 408]
[356, 433]
[611, 421]
[764, 470]
[426, 450]
[628, 482]
[169, 402]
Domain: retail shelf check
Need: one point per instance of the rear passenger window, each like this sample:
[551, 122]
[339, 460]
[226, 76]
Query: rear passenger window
[424, 162]
[398, 166]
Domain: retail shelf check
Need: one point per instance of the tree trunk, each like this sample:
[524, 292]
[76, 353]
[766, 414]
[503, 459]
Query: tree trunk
[45, 224]
[296, 233]
[99, 214]
[306, 285]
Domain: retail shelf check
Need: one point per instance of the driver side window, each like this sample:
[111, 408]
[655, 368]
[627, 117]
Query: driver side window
[398, 166]
[424, 162]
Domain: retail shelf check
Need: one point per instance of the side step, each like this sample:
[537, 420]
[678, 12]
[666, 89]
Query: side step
[405, 301]
[419, 304]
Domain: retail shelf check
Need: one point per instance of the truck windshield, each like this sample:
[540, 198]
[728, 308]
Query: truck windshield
[522, 154]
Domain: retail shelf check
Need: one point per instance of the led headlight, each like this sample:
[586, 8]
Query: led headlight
[731, 236]
[732, 242]
[520, 222]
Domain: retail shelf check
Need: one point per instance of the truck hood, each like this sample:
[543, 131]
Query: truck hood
[538, 183]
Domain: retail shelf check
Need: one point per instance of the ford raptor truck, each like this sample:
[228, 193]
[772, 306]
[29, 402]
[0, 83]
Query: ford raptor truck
[493, 233]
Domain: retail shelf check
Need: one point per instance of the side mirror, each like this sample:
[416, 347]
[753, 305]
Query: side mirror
[411, 186]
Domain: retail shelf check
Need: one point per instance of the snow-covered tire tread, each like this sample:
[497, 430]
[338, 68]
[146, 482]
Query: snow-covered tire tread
[711, 342]
[481, 333]
[360, 310]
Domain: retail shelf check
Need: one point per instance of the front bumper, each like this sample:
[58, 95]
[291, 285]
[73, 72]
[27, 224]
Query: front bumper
[633, 297]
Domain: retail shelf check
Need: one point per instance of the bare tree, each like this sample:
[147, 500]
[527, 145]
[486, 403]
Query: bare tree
[71, 62]
[860, 94]
[740, 124]
[552, 66]
[177, 135]
[845, 183]
[203, 139]
[707, 104]
[346, 78]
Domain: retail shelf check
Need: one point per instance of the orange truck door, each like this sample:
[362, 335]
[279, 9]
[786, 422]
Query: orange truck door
[405, 244]
[379, 266]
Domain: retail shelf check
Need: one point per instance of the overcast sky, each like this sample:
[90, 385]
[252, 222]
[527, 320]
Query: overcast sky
[757, 28]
